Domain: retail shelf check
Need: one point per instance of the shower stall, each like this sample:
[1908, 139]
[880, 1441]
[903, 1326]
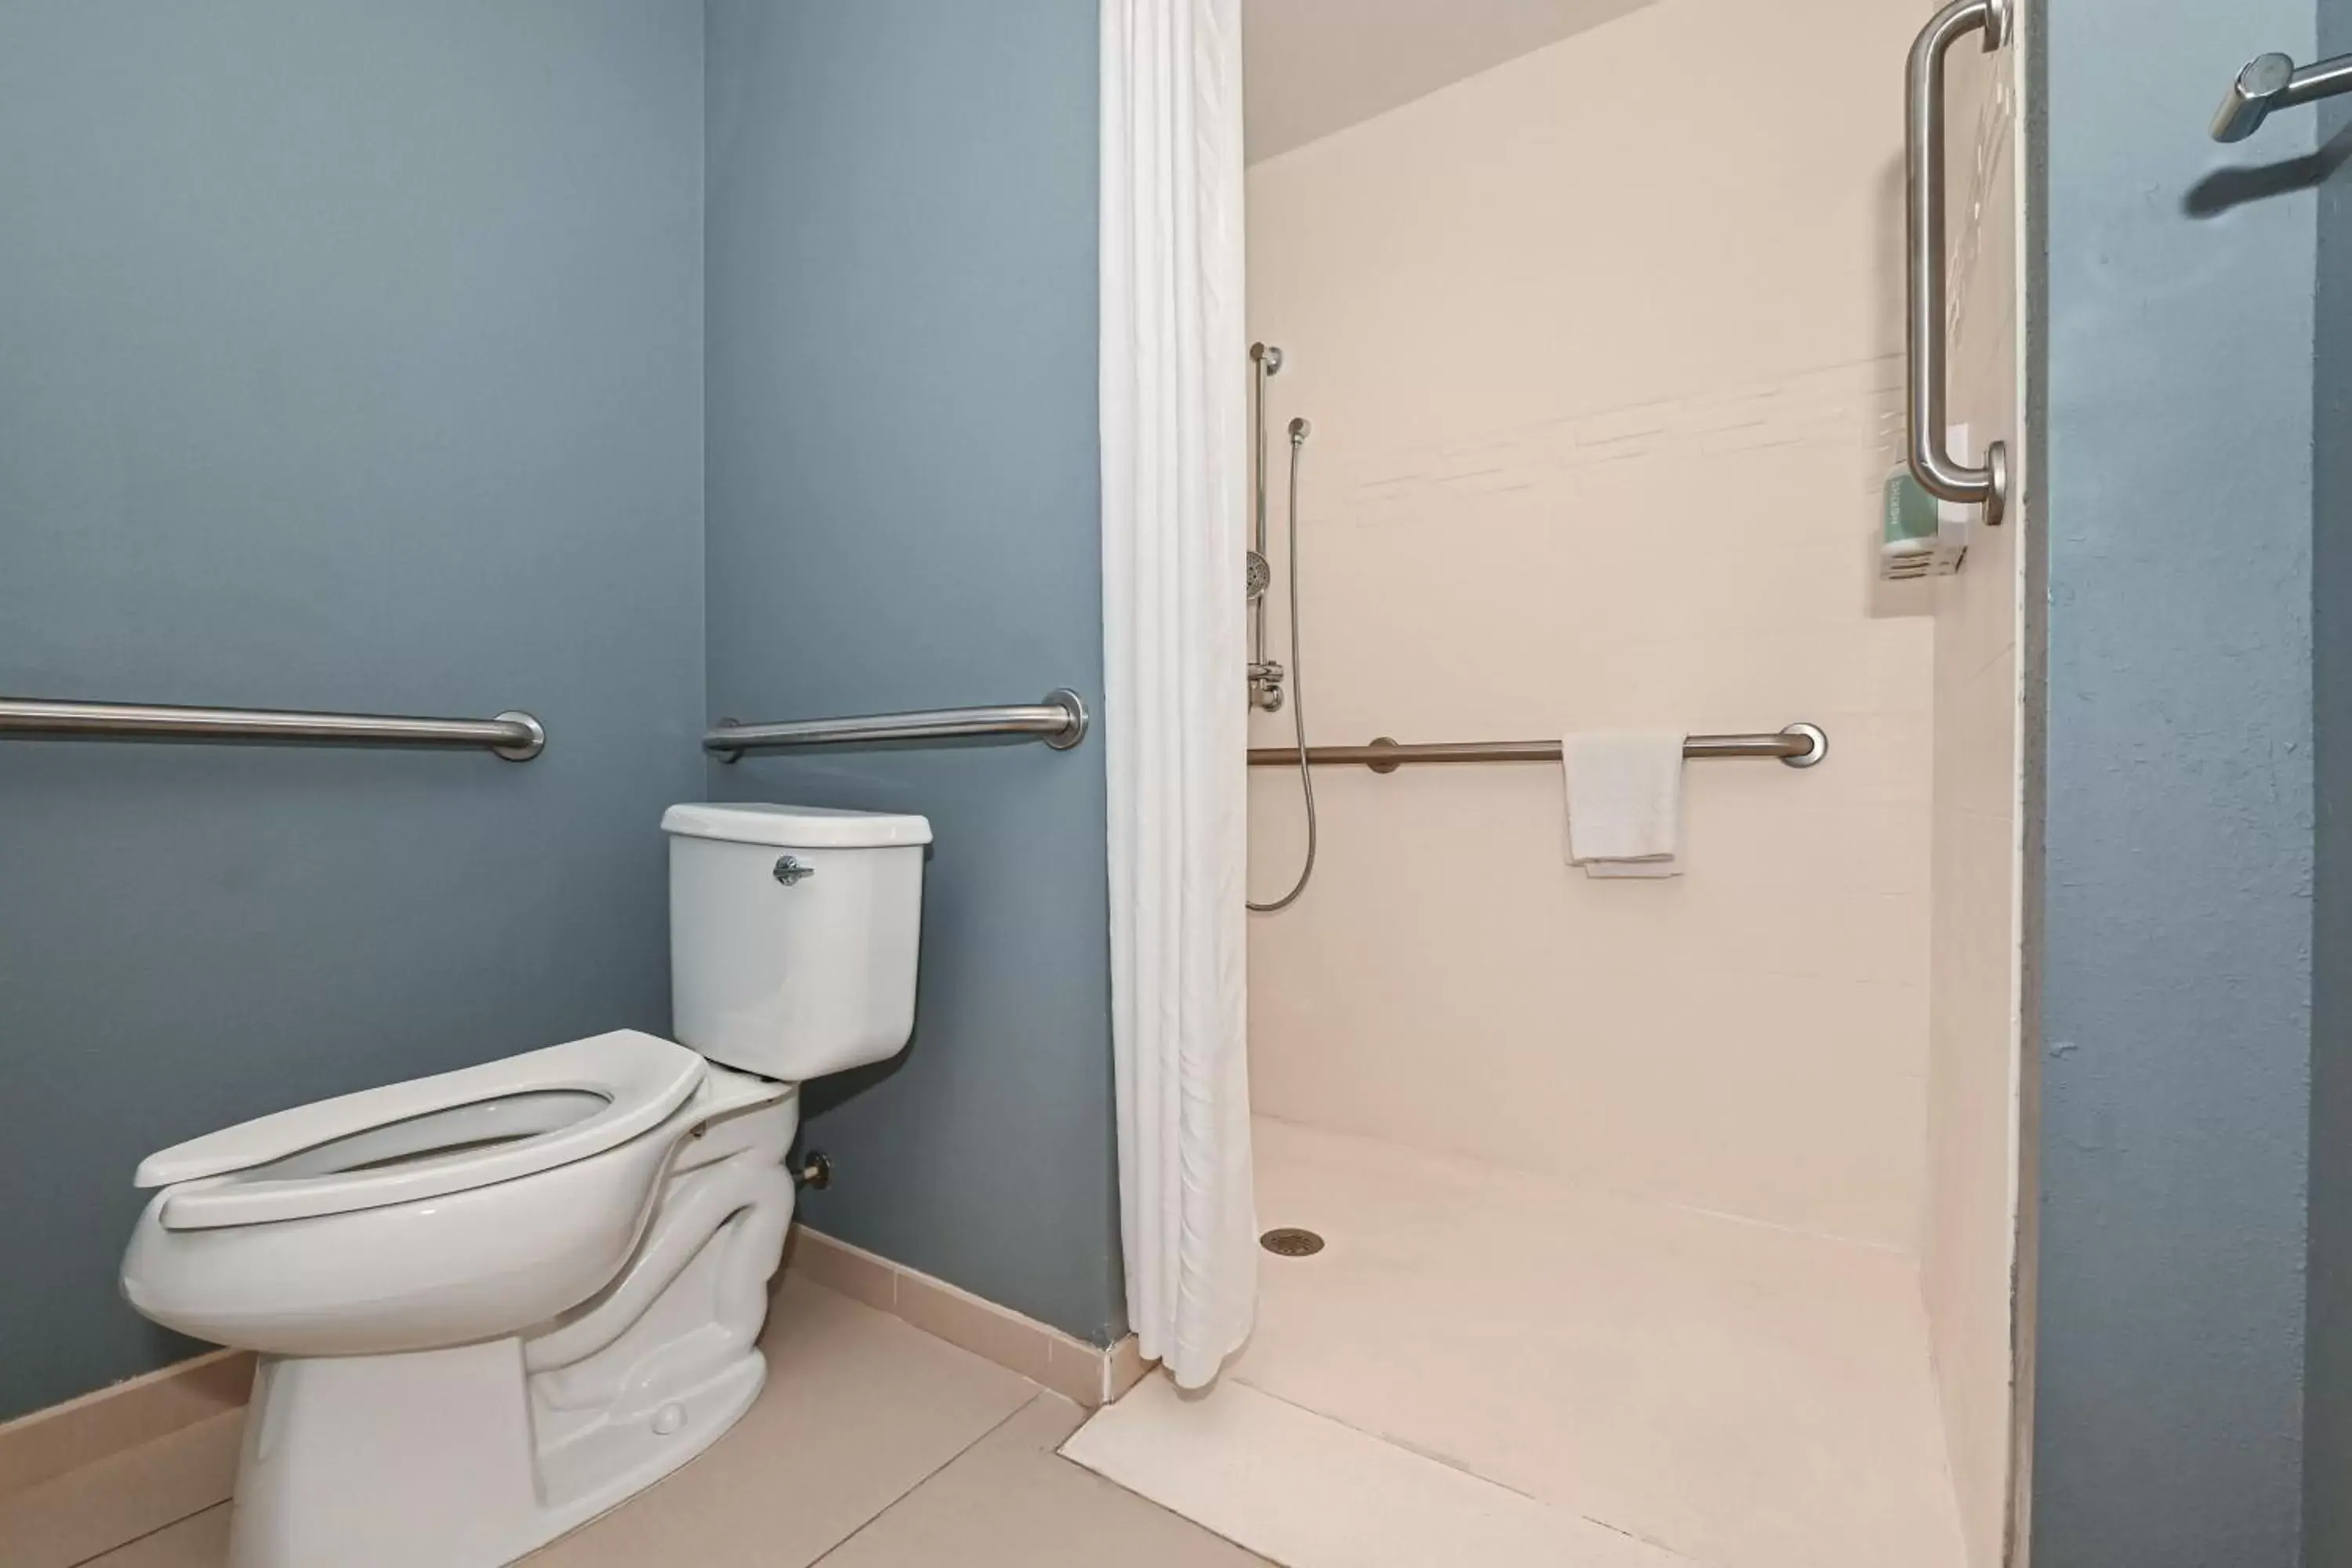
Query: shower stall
[1649, 1222]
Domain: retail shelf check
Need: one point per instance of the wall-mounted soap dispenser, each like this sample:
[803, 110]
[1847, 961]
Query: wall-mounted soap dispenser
[1921, 536]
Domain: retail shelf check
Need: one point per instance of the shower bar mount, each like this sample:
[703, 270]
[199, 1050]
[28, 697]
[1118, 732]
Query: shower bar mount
[1799, 746]
[2271, 82]
[1060, 722]
[514, 735]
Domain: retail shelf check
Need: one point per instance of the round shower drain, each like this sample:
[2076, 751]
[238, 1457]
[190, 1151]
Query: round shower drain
[1290, 1241]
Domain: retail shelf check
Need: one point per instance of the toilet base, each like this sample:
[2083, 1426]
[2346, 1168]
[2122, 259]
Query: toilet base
[398, 1461]
[473, 1456]
[598, 1473]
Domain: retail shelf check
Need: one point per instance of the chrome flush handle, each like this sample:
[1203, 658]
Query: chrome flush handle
[792, 872]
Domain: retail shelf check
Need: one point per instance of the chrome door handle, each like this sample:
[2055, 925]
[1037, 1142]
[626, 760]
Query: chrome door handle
[1939, 473]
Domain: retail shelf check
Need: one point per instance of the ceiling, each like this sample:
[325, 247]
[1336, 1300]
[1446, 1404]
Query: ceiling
[1314, 66]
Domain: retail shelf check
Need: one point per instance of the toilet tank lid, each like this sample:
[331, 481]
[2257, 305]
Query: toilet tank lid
[794, 826]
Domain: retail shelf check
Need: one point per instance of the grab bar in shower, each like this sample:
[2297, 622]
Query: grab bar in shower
[1799, 745]
[2271, 82]
[1939, 472]
[514, 735]
[1060, 722]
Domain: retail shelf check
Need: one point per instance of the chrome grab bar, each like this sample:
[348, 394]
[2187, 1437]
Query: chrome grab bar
[1060, 722]
[2270, 83]
[1799, 745]
[1939, 473]
[514, 735]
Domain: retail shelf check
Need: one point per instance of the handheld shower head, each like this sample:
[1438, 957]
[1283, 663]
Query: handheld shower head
[1300, 430]
[1257, 576]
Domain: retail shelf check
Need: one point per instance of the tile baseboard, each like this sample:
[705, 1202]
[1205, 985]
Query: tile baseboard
[40, 1446]
[98, 1472]
[1088, 1375]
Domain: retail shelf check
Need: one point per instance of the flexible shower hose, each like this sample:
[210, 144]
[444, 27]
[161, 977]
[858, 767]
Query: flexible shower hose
[1297, 680]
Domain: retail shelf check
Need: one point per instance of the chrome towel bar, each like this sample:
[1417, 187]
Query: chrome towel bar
[1799, 745]
[1060, 722]
[514, 735]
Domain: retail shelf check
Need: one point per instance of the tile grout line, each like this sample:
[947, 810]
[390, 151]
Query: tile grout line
[1158, 1507]
[149, 1535]
[928, 1476]
[1151, 1502]
[1401, 1446]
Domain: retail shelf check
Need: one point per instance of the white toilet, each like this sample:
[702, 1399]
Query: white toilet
[494, 1303]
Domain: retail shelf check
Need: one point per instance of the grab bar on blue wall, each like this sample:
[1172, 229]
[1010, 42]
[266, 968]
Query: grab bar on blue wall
[2271, 82]
[514, 735]
[1060, 722]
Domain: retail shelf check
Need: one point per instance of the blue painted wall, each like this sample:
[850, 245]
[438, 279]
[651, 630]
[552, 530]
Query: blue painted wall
[2327, 1395]
[902, 491]
[349, 357]
[2176, 956]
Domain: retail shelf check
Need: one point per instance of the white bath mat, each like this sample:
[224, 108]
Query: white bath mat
[1311, 1492]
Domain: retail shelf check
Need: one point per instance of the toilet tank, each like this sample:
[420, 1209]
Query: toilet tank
[792, 934]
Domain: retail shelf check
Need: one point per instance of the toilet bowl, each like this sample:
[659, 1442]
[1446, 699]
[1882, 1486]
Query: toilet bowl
[493, 1303]
[459, 1207]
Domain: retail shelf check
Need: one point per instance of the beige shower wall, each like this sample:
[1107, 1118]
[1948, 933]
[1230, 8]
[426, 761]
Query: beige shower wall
[1601, 351]
[1969, 1225]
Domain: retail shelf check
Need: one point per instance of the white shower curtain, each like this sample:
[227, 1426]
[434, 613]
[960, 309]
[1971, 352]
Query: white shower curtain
[1175, 722]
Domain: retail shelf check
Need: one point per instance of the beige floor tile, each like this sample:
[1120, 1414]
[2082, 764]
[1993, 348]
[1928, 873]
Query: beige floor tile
[1012, 1503]
[200, 1540]
[863, 1416]
[122, 1497]
[859, 1410]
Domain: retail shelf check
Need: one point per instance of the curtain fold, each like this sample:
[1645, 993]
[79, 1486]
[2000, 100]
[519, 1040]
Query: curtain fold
[1174, 729]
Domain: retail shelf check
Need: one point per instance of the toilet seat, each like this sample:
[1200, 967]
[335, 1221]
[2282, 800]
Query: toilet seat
[428, 1137]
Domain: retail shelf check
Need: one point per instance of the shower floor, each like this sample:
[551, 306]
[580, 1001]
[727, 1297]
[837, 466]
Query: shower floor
[1486, 1367]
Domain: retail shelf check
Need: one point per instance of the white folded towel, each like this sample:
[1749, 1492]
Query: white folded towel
[1624, 802]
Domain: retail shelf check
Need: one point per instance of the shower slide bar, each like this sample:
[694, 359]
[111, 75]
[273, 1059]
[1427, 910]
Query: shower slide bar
[2271, 82]
[1060, 722]
[1940, 473]
[514, 735]
[1799, 746]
